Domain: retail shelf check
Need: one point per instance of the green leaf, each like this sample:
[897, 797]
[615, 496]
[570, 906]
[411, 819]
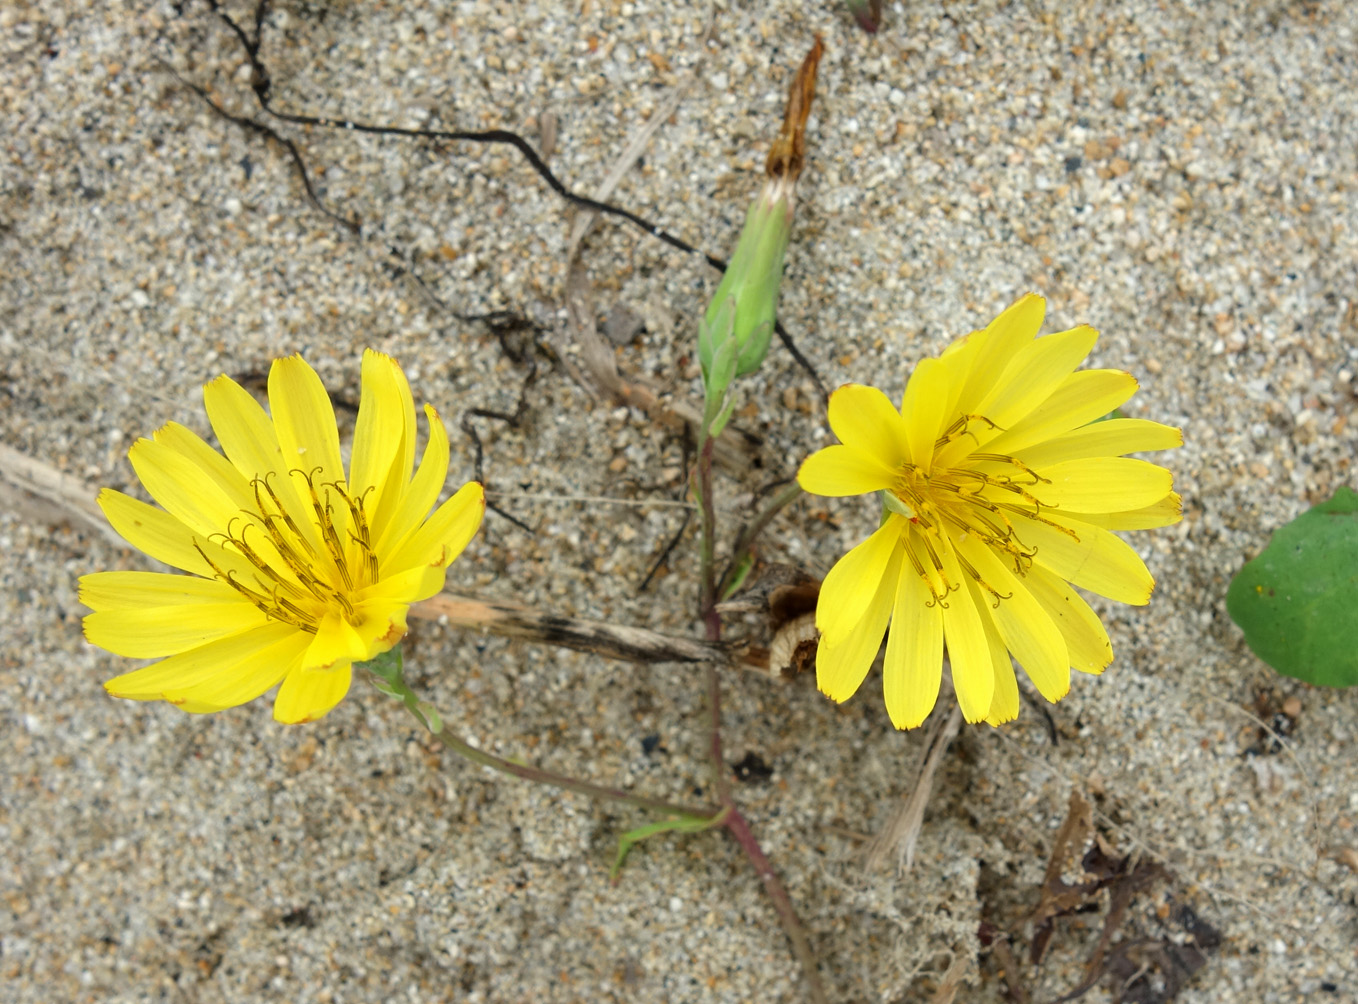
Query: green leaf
[681, 824]
[1297, 602]
[385, 671]
[719, 423]
[739, 574]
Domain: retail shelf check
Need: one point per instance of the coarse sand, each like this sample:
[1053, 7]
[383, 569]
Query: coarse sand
[1181, 176]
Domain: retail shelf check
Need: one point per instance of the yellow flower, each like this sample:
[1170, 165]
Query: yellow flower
[1000, 490]
[297, 571]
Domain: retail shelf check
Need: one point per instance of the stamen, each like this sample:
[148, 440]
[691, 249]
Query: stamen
[329, 537]
[284, 611]
[961, 428]
[971, 570]
[282, 512]
[363, 535]
[1000, 458]
[923, 573]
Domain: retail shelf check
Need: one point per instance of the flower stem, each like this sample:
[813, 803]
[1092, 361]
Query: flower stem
[734, 821]
[547, 777]
[782, 903]
[707, 581]
[428, 716]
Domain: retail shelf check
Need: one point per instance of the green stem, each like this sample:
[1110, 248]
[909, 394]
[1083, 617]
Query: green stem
[707, 578]
[395, 686]
[734, 821]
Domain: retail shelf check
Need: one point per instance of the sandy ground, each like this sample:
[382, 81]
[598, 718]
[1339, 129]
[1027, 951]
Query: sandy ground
[1183, 177]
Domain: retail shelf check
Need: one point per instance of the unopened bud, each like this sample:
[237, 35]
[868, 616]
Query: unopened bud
[745, 304]
[739, 323]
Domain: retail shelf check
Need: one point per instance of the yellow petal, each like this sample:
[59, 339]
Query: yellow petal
[250, 441]
[209, 462]
[383, 440]
[837, 471]
[869, 424]
[304, 421]
[973, 671]
[307, 694]
[841, 664]
[243, 682]
[200, 501]
[383, 623]
[1113, 438]
[207, 662]
[152, 632]
[1036, 370]
[1166, 512]
[1086, 556]
[1086, 640]
[122, 590]
[1004, 703]
[853, 582]
[413, 502]
[336, 642]
[996, 346]
[913, 667]
[444, 535]
[410, 586]
[928, 396]
[242, 427]
[1023, 624]
[1101, 484]
[1078, 400]
[153, 531]
[180, 486]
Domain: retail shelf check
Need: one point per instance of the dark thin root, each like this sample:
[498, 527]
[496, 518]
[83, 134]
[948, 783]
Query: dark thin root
[802, 361]
[503, 324]
[261, 84]
[293, 153]
[512, 518]
[666, 551]
[1040, 706]
[686, 445]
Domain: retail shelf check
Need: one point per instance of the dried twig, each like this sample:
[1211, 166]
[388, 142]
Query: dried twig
[946, 993]
[609, 640]
[901, 832]
[65, 499]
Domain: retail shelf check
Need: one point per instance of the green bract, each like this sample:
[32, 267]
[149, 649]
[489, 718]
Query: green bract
[745, 305]
[1297, 602]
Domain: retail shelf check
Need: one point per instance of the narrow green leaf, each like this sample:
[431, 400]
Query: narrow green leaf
[1297, 602]
[680, 824]
[739, 574]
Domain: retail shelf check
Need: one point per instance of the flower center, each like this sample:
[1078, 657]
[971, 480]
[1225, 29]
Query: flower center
[303, 570]
[974, 499]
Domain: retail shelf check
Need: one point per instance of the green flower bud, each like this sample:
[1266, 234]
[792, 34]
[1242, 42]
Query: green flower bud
[745, 305]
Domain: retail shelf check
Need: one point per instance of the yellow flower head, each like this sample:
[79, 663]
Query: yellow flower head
[297, 571]
[1000, 489]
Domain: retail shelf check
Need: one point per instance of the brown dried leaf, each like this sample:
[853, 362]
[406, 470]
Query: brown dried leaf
[39, 492]
[793, 650]
[1059, 897]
